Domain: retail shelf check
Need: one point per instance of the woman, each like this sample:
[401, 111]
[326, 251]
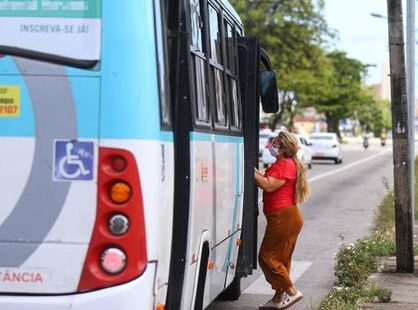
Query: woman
[284, 186]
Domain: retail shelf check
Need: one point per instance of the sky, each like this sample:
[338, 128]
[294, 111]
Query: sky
[361, 35]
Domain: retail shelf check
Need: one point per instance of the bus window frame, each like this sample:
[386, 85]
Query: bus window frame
[230, 75]
[204, 125]
[162, 61]
[211, 125]
[217, 126]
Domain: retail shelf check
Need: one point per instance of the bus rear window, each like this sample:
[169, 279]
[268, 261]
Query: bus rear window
[61, 31]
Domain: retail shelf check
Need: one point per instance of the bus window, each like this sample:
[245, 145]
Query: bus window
[235, 113]
[216, 66]
[197, 25]
[165, 114]
[201, 96]
[220, 104]
[231, 74]
[199, 62]
[214, 35]
[230, 47]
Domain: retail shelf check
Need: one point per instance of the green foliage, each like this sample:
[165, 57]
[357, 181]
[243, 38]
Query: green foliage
[342, 298]
[351, 298]
[385, 218]
[344, 89]
[373, 114]
[293, 32]
[355, 262]
[377, 294]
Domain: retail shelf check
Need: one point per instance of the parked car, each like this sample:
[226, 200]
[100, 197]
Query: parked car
[264, 136]
[304, 152]
[325, 145]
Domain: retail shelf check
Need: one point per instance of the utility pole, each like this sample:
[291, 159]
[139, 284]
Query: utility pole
[401, 129]
[410, 86]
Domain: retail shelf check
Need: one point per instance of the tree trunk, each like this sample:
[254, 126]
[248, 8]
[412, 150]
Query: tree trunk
[275, 119]
[332, 124]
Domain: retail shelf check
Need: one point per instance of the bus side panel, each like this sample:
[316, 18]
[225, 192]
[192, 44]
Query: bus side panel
[216, 207]
[201, 210]
[235, 241]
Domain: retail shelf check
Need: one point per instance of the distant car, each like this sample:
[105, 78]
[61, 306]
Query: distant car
[264, 136]
[304, 152]
[325, 145]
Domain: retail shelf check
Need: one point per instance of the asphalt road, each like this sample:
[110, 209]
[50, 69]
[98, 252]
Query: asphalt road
[342, 206]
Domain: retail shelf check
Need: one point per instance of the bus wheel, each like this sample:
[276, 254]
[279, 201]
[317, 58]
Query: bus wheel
[233, 291]
[198, 304]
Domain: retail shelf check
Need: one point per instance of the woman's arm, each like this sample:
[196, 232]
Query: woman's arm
[267, 184]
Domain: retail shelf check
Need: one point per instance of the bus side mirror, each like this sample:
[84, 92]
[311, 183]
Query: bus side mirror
[268, 91]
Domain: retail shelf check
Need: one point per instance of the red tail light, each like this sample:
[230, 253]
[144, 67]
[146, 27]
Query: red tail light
[109, 250]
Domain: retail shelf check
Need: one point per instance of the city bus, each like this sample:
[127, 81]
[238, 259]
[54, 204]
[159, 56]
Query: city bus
[128, 137]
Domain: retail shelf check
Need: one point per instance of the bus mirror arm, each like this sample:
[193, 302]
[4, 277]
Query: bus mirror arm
[268, 85]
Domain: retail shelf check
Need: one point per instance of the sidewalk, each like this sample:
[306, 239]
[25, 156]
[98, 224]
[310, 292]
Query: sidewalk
[404, 287]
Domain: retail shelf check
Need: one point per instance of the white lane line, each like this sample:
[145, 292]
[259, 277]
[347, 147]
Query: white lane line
[327, 174]
[261, 286]
[356, 163]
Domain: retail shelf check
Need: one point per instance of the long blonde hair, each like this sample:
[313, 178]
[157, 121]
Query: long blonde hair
[289, 146]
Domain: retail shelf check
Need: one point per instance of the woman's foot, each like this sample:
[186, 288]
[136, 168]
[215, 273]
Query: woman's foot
[273, 303]
[289, 301]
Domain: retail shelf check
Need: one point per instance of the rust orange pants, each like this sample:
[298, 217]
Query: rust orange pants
[283, 227]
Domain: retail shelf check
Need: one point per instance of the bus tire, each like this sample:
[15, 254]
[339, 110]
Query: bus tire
[233, 291]
[198, 304]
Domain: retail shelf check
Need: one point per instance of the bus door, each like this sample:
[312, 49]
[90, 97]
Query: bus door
[257, 81]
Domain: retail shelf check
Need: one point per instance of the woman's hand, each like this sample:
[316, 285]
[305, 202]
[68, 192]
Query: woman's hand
[258, 171]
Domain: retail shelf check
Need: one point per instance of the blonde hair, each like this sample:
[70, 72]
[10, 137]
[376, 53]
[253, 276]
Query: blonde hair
[289, 145]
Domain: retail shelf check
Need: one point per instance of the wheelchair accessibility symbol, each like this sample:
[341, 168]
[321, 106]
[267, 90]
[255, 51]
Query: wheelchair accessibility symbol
[73, 160]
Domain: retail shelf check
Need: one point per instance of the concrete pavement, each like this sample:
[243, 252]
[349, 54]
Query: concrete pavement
[404, 287]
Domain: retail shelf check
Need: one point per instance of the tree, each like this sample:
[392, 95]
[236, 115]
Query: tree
[344, 92]
[293, 32]
[375, 114]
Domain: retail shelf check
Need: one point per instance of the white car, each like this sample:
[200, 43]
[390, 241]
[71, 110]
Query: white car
[304, 152]
[263, 137]
[325, 145]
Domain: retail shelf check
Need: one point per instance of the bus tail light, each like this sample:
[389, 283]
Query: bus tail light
[120, 192]
[113, 260]
[117, 250]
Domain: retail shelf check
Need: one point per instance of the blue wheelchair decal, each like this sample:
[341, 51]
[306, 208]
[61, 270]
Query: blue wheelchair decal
[73, 160]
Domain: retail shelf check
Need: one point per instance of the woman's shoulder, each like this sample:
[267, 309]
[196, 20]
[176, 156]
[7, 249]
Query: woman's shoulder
[286, 163]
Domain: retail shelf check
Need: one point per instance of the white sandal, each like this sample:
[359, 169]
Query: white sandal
[289, 301]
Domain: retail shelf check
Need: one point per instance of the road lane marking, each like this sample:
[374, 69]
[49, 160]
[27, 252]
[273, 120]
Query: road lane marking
[262, 287]
[356, 163]
[329, 173]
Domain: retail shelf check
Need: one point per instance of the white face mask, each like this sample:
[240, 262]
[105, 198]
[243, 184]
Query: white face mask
[274, 151]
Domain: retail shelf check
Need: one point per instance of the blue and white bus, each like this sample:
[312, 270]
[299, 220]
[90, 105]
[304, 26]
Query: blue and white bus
[128, 137]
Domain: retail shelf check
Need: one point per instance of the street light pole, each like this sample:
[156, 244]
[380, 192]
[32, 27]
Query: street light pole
[401, 128]
[410, 83]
